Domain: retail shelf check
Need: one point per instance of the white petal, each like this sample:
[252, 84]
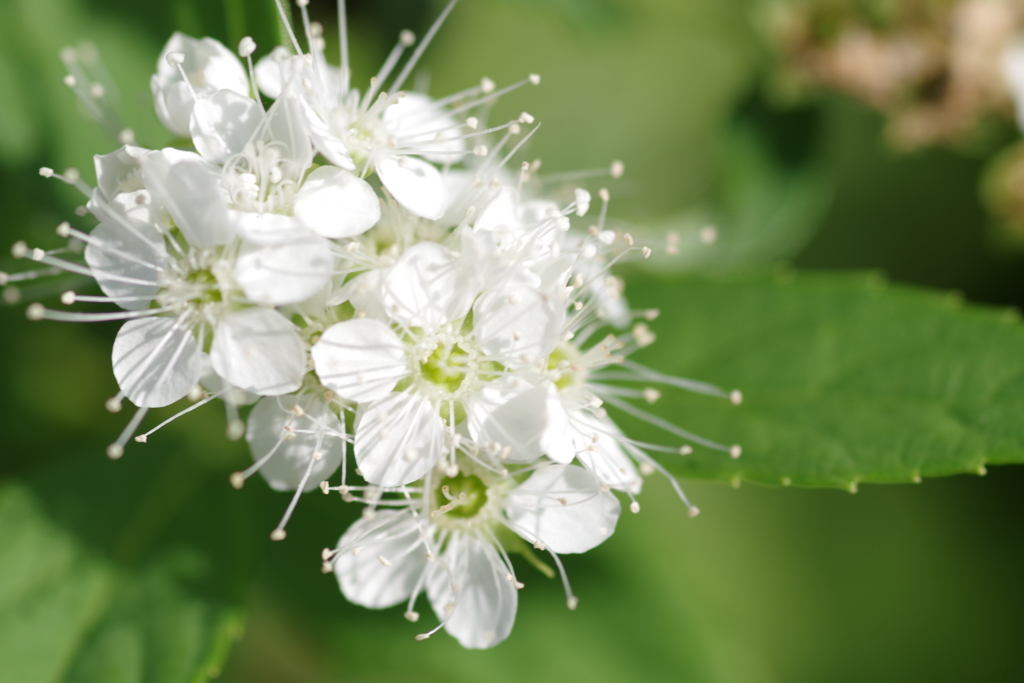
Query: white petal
[156, 361]
[223, 123]
[414, 184]
[398, 439]
[173, 103]
[601, 453]
[285, 127]
[119, 171]
[286, 273]
[212, 383]
[363, 578]
[266, 228]
[364, 292]
[258, 350]
[427, 288]
[270, 74]
[209, 66]
[336, 204]
[317, 430]
[559, 441]
[190, 189]
[564, 507]
[509, 413]
[484, 599]
[416, 120]
[325, 141]
[130, 250]
[360, 360]
[518, 321]
[501, 215]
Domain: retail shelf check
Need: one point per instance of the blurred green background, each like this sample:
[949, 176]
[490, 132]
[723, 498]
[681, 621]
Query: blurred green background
[138, 568]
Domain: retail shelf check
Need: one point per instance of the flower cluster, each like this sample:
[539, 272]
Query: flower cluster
[368, 269]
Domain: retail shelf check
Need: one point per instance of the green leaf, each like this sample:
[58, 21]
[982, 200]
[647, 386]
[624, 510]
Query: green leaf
[845, 379]
[70, 613]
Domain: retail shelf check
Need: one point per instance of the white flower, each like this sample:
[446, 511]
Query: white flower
[207, 65]
[445, 542]
[418, 372]
[297, 441]
[397, 134]
[197, 273]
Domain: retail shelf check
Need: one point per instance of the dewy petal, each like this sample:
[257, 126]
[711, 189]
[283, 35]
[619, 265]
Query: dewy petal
[156, 361]
[360, 359]
[286, 273]
[191, 191]
[336, 204]
[266, 228]
[508, 413]
[427, 288]
[518, 320]
[223, 123]
[126, 253]
[563, 507]
[414, 184]
[362, 577]
[398, 439]
[325, 141]
[484, 600]
[258, 350]
[316, 430]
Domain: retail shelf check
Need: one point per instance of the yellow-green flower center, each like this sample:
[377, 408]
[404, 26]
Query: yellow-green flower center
[467, 491]
[446, 366]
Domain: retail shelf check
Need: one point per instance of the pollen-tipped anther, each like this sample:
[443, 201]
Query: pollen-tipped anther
[235, 430]
[35, 311]
[278, 535]
[237, 480]
[115, 451]
[617, 169]
[246, 46]
[736, 397]
[535, 79]
[735, 451]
